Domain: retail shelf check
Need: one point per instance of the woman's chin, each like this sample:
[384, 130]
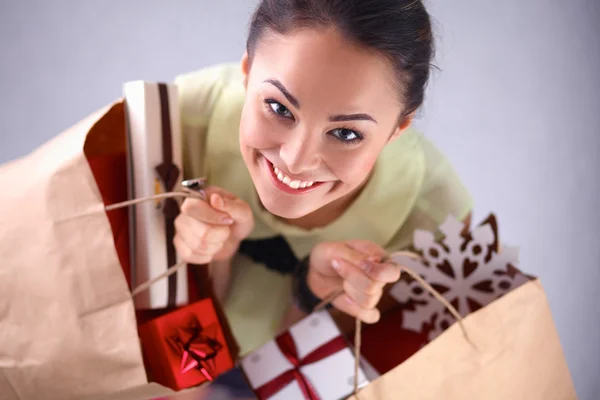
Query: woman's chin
[282, 210]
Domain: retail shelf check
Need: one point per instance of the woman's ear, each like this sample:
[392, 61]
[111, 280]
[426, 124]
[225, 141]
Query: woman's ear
[404, 124]
[245, 68]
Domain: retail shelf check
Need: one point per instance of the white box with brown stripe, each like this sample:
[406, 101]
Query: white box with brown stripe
[154, 166]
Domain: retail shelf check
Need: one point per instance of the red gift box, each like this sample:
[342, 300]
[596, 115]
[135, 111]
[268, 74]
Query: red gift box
[186, 347]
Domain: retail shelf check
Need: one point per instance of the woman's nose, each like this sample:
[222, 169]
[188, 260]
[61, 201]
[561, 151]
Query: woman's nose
[301, 153]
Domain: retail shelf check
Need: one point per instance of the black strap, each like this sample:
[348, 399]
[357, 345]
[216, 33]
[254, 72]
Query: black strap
[304, 298]
[275, 253]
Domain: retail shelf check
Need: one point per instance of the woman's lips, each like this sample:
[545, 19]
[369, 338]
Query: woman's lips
[285, 187]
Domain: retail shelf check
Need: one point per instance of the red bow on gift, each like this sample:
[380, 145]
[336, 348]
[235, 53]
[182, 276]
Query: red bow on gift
[287, 346]
[197, 348]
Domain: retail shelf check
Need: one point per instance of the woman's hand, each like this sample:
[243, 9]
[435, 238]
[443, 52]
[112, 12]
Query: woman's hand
[212, 230]
[355, 267]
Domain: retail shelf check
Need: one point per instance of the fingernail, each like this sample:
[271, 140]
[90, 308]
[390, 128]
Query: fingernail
[218, 201]
[374, 258]
[349, 300]
[366, 265]
[335, 264]
[227, 220]
[375, 318]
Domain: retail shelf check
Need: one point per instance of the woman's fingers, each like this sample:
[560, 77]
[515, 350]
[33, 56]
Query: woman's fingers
[368, 248]
[197, 233]
[361, 298]
[356, 277]
[355, 267]
[381, 272]
[220, 191]
[196, 240]
[361, 293]
[236, 208]
[347, 305]
[365, 275]
[187, 254]
[212, 227]
[202, 211]
[339, 255]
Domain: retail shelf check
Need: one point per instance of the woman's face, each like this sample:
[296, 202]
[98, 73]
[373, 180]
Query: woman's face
[318, 112]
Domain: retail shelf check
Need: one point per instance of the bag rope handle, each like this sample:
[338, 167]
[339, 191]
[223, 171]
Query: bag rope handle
[358, 323]
[193, 191]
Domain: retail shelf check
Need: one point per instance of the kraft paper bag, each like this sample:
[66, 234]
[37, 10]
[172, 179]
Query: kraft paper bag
[468, 325]
[146, 392]
[514, 354]
[507, 347]
[67, 320]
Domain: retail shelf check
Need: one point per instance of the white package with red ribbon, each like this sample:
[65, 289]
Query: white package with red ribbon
[154, 166]
[312, 360]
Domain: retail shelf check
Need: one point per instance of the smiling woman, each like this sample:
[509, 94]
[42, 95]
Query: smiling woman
[315, 171]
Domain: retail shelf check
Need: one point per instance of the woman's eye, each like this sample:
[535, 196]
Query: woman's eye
[346, 135]
[280, 109]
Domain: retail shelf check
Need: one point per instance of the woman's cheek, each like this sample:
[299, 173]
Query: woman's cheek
[353, 170]
[257, 131]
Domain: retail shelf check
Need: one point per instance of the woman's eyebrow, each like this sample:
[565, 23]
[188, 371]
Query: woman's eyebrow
[352, 117]
[336, 118]
[284, 91]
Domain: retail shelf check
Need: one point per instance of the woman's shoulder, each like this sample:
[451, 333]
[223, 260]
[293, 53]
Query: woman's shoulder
[440, 191]
[413, 147]
[200, 90]
[206, 99]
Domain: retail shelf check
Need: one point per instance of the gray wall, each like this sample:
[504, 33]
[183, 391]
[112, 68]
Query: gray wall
[516, 108]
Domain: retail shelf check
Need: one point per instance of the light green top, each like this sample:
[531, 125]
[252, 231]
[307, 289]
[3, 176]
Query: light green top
[413, 186]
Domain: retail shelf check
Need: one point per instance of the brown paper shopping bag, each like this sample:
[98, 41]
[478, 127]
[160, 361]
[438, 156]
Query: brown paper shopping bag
[514, 353]
[67, 322]
[148, 391]
[504, 346]
[508, 347]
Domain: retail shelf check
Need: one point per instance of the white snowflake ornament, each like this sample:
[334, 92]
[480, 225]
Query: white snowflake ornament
[468, 270]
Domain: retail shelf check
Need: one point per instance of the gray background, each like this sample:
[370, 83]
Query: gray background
[516, 108]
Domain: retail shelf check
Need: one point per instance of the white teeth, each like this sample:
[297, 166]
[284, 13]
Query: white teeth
[294, 184]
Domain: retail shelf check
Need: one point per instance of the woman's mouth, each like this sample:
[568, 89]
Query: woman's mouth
[288, 184]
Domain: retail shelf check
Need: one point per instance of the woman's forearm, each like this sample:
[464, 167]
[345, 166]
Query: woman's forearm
[220, 272]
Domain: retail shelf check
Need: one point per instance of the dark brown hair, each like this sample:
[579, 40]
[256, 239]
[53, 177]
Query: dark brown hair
[400, 30]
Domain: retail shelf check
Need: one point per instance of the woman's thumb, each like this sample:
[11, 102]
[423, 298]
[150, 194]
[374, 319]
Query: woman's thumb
[218, 202]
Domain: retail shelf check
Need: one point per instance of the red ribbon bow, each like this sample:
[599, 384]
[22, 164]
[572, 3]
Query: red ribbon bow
[287, 346]
[197, 348]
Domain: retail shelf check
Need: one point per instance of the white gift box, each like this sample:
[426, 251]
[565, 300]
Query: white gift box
[154, 166]
[332, 377]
